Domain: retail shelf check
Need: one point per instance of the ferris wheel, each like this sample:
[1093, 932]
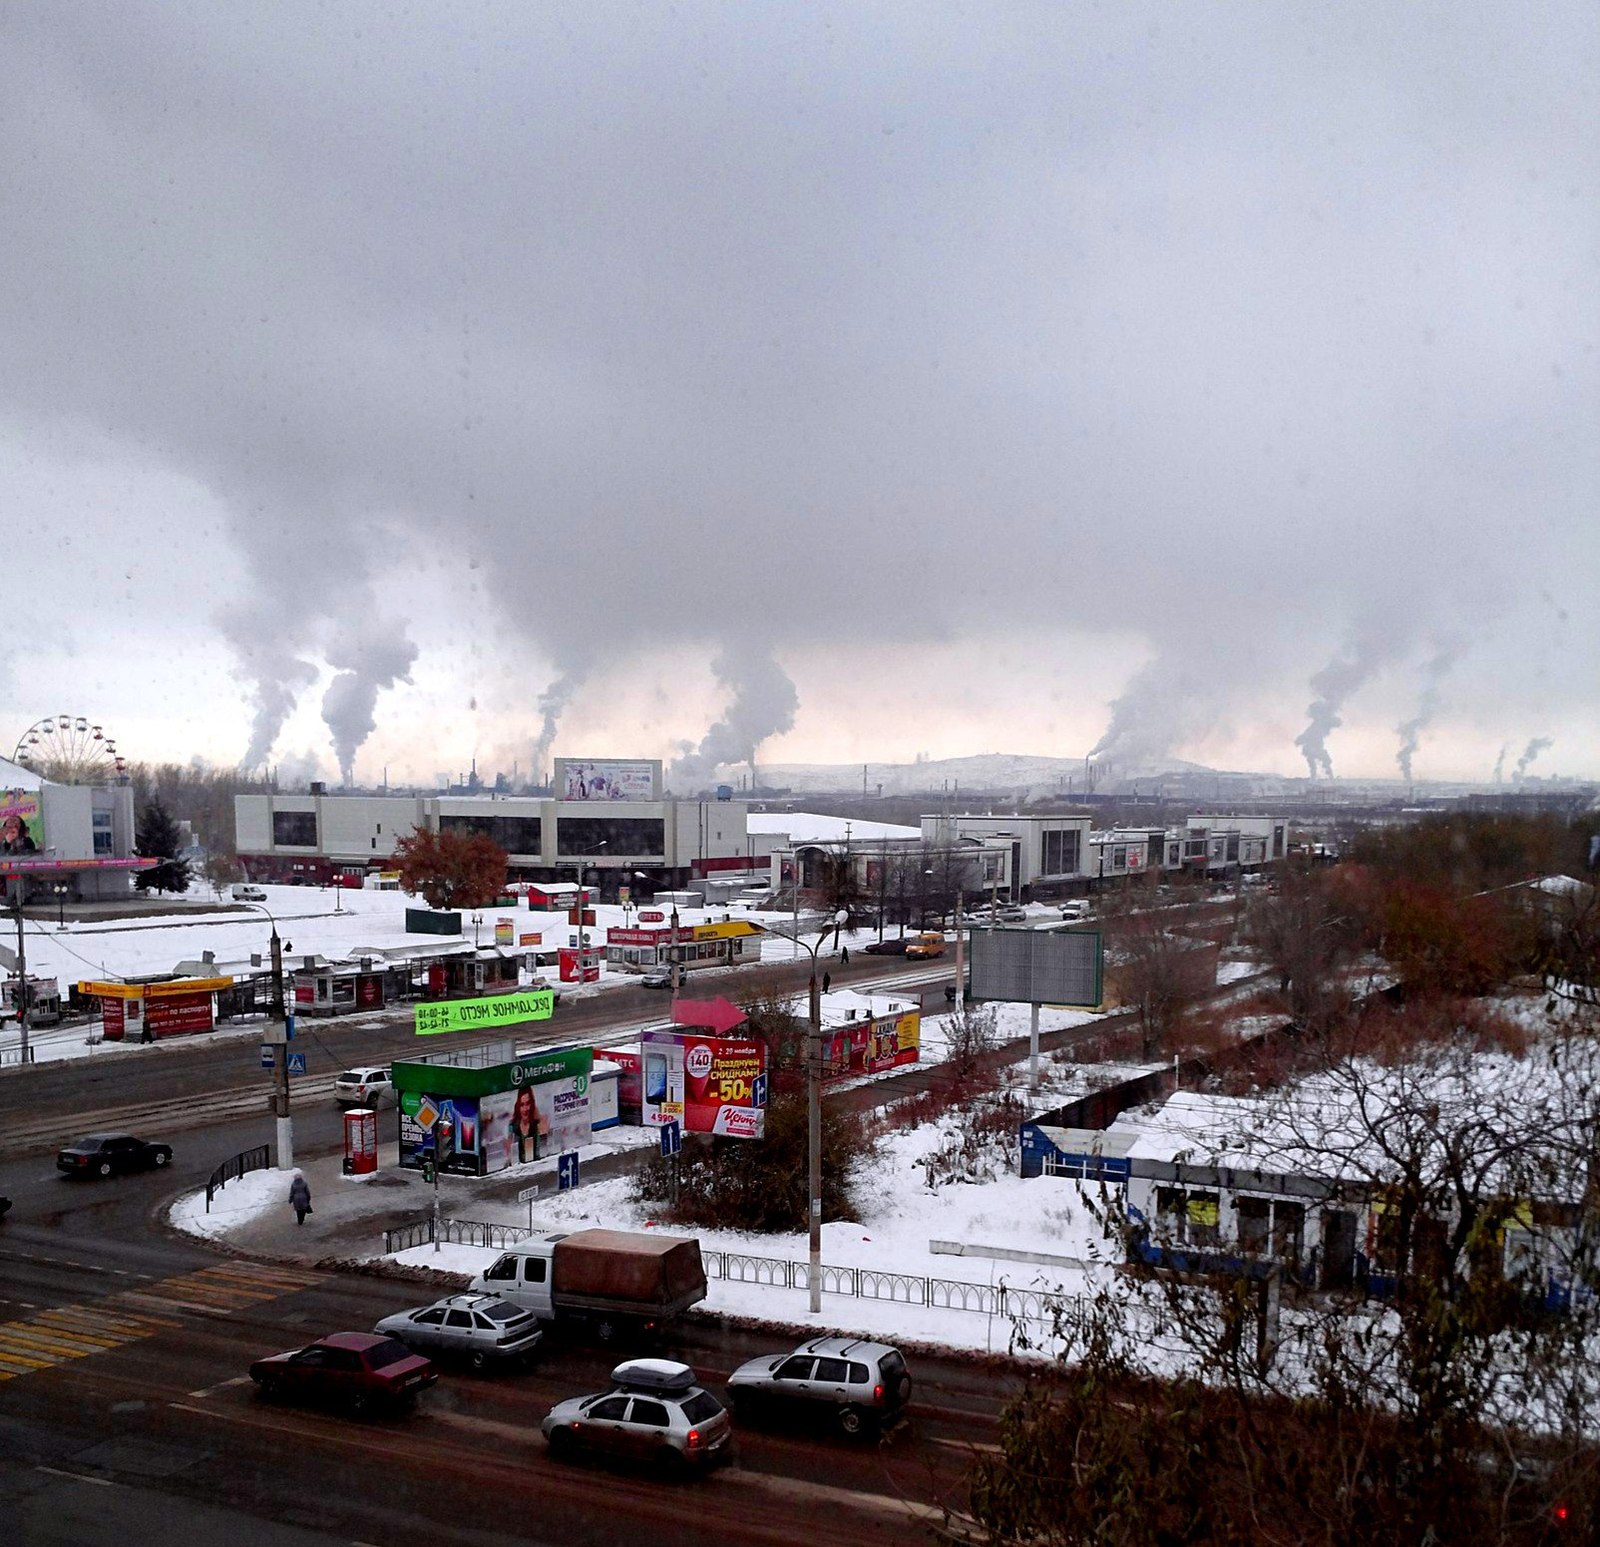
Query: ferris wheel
[69, 749]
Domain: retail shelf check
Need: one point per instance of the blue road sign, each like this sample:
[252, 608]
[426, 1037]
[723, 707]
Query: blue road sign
[269, 1055]
[758, 1091]
[567, 1171]
[671, 1138]
[297, 1063]
[288, 1027]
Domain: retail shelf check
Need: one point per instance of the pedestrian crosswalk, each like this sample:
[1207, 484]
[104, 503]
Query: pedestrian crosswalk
[64, 1332]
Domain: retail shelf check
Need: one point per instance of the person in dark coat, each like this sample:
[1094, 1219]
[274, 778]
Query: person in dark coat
[844, 957]
[300, 1197]
[825, 982]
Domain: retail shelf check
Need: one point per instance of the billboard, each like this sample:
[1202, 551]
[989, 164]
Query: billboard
[528, 1004]
[709, 1084]
[21, 822]
[607, 778]
[1033, 966]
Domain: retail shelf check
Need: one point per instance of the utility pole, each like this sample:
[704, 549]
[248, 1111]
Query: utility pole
[280, 1097]
[961, 956]
[674, 977]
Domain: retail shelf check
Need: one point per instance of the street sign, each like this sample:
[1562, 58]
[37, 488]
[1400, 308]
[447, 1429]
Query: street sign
[427, 1114]
[671, 1138]
[288, 1025]
[269, 1056]
[567, 1171]
[297, 1063]
[527, 1195]
[758, 1091]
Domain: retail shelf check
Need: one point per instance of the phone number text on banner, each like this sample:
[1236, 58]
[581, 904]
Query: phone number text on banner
[485, 1014]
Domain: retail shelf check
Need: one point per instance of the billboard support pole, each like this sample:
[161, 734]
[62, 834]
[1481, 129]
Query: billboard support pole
[1033, 1049]
[22, 975]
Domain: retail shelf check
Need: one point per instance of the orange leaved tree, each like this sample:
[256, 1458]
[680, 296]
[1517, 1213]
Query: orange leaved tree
[451, 869]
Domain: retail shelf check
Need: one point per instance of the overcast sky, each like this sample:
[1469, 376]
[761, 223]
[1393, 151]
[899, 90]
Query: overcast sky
[1193, 380]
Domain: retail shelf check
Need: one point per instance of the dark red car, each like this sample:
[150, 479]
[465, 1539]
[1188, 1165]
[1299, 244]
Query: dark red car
[359, 1369]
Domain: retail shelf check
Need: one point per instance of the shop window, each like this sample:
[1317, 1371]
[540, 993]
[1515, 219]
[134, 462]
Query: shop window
[1202, 1219]
[611, 836]
[514, 834]
[294, 829]
[1255, 1225]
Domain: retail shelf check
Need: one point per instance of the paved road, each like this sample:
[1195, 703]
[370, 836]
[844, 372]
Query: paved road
[179, 1085]
[125, 1415]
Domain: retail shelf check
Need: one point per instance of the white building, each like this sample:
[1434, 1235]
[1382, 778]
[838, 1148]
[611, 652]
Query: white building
[317, 837]
[1045, 855]
[78, 838]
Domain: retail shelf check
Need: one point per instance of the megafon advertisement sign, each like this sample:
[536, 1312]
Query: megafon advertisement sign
[709, 1084]
[607, 778]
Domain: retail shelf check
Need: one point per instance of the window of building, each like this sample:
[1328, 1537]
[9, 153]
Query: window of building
[611, 836]
[1060, 851]
[104, 841]
[294, 829]
[514, 834]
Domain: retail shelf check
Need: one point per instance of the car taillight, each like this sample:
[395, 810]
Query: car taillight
[694, 1439]
[877, 1393]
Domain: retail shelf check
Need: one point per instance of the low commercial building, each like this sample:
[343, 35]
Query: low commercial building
[318, 838]
[1046, 856]
[67, 842]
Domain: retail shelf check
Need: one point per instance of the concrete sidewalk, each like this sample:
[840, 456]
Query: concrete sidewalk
[349, 1214]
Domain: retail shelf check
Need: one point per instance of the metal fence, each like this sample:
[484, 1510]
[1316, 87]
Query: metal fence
[256, 1159]
[951, 1294]
[16, 1055]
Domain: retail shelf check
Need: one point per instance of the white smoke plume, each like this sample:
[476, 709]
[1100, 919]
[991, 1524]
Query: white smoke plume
[1500, 762]
[369, 658]
[763, 704]
[1334, 684]
[1529, 753]
[1410, 731]
[552, 703]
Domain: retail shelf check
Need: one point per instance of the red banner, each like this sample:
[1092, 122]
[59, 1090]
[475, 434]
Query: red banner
[652, 916]
[568, 963]
[720, 1084]
[172, 1017]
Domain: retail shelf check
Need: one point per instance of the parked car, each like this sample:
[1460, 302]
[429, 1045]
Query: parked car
[1011, 914]
[655, 1411]
[859, 1384]
[367, 1085]
[249, 894]
[482, 1329]
[360, 1369]
[661, 977]
[1077, 908]
[100, 1154]
[885, 947]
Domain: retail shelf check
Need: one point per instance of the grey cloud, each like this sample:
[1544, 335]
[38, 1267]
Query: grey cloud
[767, 318]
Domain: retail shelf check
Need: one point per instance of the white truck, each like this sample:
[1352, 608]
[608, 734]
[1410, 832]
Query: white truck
[611, 1282]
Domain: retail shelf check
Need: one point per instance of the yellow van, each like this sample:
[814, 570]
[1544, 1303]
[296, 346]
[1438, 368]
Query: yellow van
[929, 943]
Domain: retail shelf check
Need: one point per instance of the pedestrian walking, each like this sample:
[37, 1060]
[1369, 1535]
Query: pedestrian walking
[826, 980]
[300, 1197]
[844, 957]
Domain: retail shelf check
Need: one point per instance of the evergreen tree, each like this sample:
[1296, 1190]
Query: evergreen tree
[159, 837]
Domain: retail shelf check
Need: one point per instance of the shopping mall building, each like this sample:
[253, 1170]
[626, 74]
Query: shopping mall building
[645, 844]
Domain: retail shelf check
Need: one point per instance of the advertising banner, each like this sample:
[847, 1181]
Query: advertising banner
[179, 1013]
[21, 822]
[567, 961]
[111, 1019]
[588, 917]
[661, 1095]
[652, 916]
[630, 1083]
[461, 1149]
[497, 1137]
[536, 937]
[607, 779]
[560, 1083]
[505, 931]
[720, 1081]
[532, 1004]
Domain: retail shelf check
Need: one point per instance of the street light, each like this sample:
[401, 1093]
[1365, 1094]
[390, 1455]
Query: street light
[583, 933]
[814, 1110]
[280, 1095]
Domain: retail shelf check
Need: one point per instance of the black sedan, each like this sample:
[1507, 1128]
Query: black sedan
[99, 1154]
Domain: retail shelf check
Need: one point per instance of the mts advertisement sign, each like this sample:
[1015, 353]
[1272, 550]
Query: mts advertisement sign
[569, 963]
[709, 1084]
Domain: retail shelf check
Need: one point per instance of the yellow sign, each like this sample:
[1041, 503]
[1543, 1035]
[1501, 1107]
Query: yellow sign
[908, 1031]
[155, 990]
[732, 930]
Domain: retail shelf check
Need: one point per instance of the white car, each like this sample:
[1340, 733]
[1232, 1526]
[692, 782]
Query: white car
[367, 1085]
[249, 894]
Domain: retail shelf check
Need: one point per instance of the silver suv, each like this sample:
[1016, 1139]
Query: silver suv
[482, 1329]
[654, 1411]
[862, 1384]
[367, 1085]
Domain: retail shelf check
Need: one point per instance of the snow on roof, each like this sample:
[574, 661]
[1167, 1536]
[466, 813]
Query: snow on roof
[13, 776]
[1561, 886]
[812, 827]
[1346, 1123]
[844, 1005]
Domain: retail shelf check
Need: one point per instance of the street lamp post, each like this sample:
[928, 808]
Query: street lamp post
[583, 932]
[280, 1094]
[814, 1114]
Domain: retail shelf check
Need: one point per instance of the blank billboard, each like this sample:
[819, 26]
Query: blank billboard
[1035, 966]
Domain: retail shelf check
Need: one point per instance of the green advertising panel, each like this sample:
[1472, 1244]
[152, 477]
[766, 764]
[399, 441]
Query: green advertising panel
[485, 1014]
